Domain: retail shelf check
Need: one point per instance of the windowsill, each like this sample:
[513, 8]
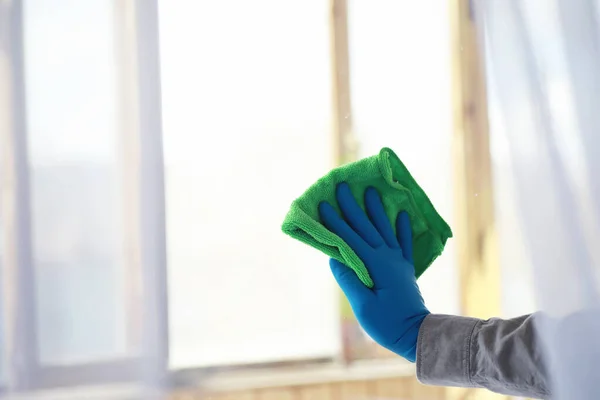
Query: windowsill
[302, 375]
[103, 392]
[230, 381]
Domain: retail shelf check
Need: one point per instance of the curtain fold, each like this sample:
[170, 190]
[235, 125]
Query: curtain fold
[543, 69]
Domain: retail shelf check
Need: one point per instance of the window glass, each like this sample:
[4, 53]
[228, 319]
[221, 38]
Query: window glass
[247, 127]
[401, 98]
[75, 181]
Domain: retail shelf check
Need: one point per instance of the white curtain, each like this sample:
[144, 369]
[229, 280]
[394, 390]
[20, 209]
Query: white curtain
[543, 60]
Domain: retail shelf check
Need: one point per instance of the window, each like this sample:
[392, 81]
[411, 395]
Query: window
[72, 287]
[75, 182]
[237, 120]
[242, 116]
[87, 289]
[398, 84]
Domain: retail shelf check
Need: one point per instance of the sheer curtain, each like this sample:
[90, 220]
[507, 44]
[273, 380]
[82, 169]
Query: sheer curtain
[544, 70]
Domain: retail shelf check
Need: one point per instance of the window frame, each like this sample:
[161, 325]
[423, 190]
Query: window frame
[142, 168]
[20, 358]
[140, 131]
[141, 165]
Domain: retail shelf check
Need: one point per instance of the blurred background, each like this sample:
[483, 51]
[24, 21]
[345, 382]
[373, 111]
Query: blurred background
[149, 151]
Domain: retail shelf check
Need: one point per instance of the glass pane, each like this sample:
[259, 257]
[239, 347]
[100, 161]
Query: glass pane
[247, 126]
[75, 182]
[401, 98]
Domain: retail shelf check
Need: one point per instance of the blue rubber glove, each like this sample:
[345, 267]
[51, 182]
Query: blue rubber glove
[393, 310]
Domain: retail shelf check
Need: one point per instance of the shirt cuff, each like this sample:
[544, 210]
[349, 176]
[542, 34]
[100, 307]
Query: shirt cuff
[443, 350]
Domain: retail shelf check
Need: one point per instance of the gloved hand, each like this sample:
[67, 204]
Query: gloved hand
[393, 310]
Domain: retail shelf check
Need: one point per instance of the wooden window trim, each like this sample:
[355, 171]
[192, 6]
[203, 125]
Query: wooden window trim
[476, 236]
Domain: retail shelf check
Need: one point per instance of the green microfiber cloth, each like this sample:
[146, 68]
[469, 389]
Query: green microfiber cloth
[399, 192]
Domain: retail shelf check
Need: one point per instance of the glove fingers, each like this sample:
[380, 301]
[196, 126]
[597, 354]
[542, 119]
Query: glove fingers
[352, 287]
[377, 214]
[337, 225]
[356, 217]
[404, 232]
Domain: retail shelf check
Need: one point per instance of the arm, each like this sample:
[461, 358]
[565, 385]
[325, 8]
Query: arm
[504, 356]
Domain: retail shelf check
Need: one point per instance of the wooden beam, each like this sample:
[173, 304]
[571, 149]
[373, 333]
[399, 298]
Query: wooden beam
[18, 290]
[343, 142]
[129, 160]
[478, 261]
[355, 345]
[475, 229]
[344, 150]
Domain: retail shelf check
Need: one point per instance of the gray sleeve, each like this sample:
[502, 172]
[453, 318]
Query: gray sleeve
[504, 356]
